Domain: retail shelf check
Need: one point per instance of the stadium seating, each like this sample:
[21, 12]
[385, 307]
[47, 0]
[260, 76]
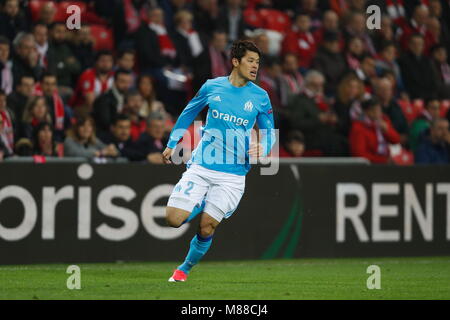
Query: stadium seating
[104, 39]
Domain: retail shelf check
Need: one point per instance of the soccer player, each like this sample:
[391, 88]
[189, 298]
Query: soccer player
[214, 181]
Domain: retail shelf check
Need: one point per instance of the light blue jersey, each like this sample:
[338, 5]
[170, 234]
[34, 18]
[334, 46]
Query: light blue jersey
[233, 111]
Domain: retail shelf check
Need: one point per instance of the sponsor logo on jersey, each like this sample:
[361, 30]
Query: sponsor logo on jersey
[248, 106]
[229, 118]
[217, 98]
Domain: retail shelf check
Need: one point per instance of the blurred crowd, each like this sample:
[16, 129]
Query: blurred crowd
[114, 87]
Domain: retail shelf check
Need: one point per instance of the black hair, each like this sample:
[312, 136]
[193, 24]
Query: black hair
[295, 135]
[240, 48]
[48, 74]
[55, 23]
[120, 117]
[437, 46]
[431, 97]
[25, 76]
[416, 35]
[5, 40]
[131, 93]
[119, 72]
[41, 126]
[103, 53]
[370, 103]
[386, 44]
[126, 51]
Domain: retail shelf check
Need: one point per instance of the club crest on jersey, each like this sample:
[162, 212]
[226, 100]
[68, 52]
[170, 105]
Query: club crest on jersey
[248, 106]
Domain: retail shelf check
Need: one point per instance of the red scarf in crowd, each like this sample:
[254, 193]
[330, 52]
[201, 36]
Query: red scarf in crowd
[218, 63]
[133, 16]
[382, 148]
[294, 82]
[165, 43]
[319, 99]
[58, 107]
[8, 132]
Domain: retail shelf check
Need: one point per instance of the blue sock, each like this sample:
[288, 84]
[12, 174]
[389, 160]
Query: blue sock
[195, 212]
[199, 246]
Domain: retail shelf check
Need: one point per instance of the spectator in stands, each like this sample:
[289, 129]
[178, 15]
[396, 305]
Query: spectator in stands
[9, 131]
[301, 41]
[309, 7]
[61, 60]
[4, 150]
[417, 25]
[383, 90]
[357, 5]
[120, 136]
[132, 105]
[205, 14]
[442, 68]
[262, 41]
[417, 70]
[384, 34]
[292, 77]
[40, 34]
[188, 42]
[213, 62]
[12, 20]
[18, 99]
[43, 142]
[311, 114]
[154, 45]
[23, 148]
[157, 56]
[94, 81]
[127, 17]
[293, 146]
[170, 8]
[330, 61]
[387, 60]
[148, 93]
[109, 104]
[36, 111]
[61, 114]
[354, 52]
[152, 142]
[356, 27]
[47, 13]
[330, 23]
[81, 141]
[231, 20]
[367, 72]
[126, 60]
[370, 137]
[435, 149]
[419, 127]
[25, 58]
[82, 46]
[349, 95]
[6, 74]
[270, 80]
[434, 28]
[436, 8]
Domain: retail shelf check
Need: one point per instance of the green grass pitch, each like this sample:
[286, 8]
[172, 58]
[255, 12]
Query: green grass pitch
[401, 278]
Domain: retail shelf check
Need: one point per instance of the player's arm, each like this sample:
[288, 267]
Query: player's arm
[266, 126]
[185, 119]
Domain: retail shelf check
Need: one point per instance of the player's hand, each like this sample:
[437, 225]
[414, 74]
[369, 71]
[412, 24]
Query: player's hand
[167, 153]
[256, 150]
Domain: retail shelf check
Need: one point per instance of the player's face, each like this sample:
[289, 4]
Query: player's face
[249, 65]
